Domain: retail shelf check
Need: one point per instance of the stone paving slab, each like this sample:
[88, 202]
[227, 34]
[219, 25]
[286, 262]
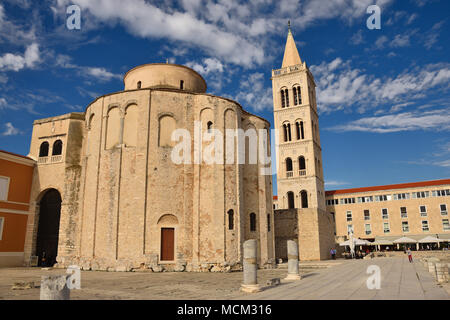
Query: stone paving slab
[400, 280]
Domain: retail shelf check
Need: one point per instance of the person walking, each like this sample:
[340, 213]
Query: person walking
[409, 255]
[333, 253]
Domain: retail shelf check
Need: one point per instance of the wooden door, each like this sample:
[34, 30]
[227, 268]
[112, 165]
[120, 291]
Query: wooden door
[167, 244]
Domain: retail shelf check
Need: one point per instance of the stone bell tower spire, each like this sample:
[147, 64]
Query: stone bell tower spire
[291, 55]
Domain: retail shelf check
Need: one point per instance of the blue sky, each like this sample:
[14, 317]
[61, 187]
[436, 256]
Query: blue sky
[383, 95]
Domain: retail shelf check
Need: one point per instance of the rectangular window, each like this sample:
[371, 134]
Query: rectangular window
[368, 229]
[349, 216]
[385, 213]
[268, 222]
[401, 196]
[405, 226]
[403, 212]
[420, 194]
[425, 226]
[350, 228]
[2, 223]
[4, 186]
[386, 227]
[444, 209]
[445, 224]
[423, 211]
[366, 215]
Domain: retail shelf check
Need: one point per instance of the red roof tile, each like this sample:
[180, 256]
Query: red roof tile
[391, 186]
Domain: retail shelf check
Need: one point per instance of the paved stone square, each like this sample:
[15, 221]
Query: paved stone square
[341, 279]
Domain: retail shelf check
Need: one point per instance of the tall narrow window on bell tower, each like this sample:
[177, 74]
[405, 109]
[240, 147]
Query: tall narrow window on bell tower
[289, 132]
[302, 131]
[283, 102]
[286, 95]
[285, 132]
[299, 95]
[295, 96]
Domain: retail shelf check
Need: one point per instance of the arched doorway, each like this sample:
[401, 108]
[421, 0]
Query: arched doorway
[48, 228]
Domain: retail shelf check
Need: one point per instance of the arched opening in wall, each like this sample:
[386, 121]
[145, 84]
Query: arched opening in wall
[48, 228]
[285, 134]
[268, 223]
[57, 148]
[252, 221]
[167, 224]
[290, 197]
[304, 197]
[286, 96]
[283, 101]
[302, 131]
[130, 129]
[167, 126]
[289, 168]
[302, 163]
[139, 85]
[43, 149]
[289, 132]
[181, 84]
[209, 126]
[113, 128]
[230, 219]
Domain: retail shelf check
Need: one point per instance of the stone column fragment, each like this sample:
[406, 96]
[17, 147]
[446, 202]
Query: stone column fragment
[293, 272]
[250, 267]
[54, 288]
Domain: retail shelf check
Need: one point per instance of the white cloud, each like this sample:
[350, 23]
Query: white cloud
[357, 38]
[235, 32]
[101, 74]
[18, 62]
[333, 183]
[10, 130]
[210, 65]
[254, 94]
[339, 86]
[407, 121]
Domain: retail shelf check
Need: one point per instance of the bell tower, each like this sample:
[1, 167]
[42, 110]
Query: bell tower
[300, 180]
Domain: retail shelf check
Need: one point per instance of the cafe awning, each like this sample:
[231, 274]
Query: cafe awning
[405, 240]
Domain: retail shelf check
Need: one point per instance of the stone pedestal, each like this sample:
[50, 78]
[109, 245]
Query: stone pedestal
[293, 272]
[54, 288]
[250, 267]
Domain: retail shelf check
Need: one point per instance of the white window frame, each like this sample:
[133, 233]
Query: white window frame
[428, 226]
[423, 214]
[364, 213]
[443, 225]
[2, 224]
[382, 215]
[8, 181]
[389, 227]
[443, 213]
[350, 226]
[406, 212]
[407, 224]
[367, 230]
[351, 216]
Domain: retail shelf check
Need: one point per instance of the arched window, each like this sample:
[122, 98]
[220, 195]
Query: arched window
[57, 148]
[181, 84]
[286, 96]
[297, 95]
[283, 101]
[252, 222]
[167, 125]
[304, 196]
[302, 131]
[291, 203]
[289, 167]
[43, 150]
[268, 222]
[289, 132]
[139, 84]
[230, 219]
[302, 163]
[285, 135]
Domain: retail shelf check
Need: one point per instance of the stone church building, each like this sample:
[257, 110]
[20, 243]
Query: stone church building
[106, 194]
